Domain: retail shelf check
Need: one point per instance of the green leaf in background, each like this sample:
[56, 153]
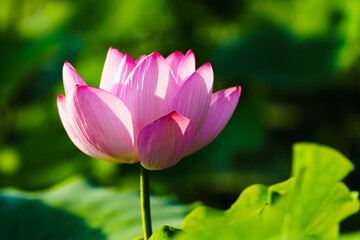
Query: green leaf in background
[32, 219]
[77, 210]
[165, 233]
[310, 205]
[318, 201]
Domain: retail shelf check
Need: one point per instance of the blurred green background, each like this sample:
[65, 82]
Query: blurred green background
[296, 60]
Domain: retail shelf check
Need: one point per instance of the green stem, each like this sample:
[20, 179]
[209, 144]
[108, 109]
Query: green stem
[145, 202]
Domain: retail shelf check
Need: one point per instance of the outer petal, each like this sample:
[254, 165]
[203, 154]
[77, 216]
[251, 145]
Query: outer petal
[83, 146]
[186, 67]
[71, 78]
[223, 104]
[111, 66]
[127, 64]
[164, 142]
[103, 122]
[193, 98]
[174, 61]
[148, 90]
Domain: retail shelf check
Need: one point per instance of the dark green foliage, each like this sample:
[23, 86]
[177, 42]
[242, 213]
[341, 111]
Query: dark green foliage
[23, 218]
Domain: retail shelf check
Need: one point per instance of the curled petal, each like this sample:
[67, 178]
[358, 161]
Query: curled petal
[193, 98]
[148, 90]
[71, 78]
[127, 64]
[174, 61]
[164, 142]
[223, 104]
[111, 66]
[102, 122]
[186, 67]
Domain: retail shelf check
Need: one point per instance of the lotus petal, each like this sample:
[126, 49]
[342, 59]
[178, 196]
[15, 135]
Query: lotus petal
[148, 90]
[222, 106]
[186, 67]
[193, 98]
[127, 64]
[103, 122]
[164, 142]
[111, 66]
[71, 78]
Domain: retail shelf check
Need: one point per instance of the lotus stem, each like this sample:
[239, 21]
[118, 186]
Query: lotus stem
[145, 202]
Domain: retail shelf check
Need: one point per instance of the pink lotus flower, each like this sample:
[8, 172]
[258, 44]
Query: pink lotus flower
[153, 110]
